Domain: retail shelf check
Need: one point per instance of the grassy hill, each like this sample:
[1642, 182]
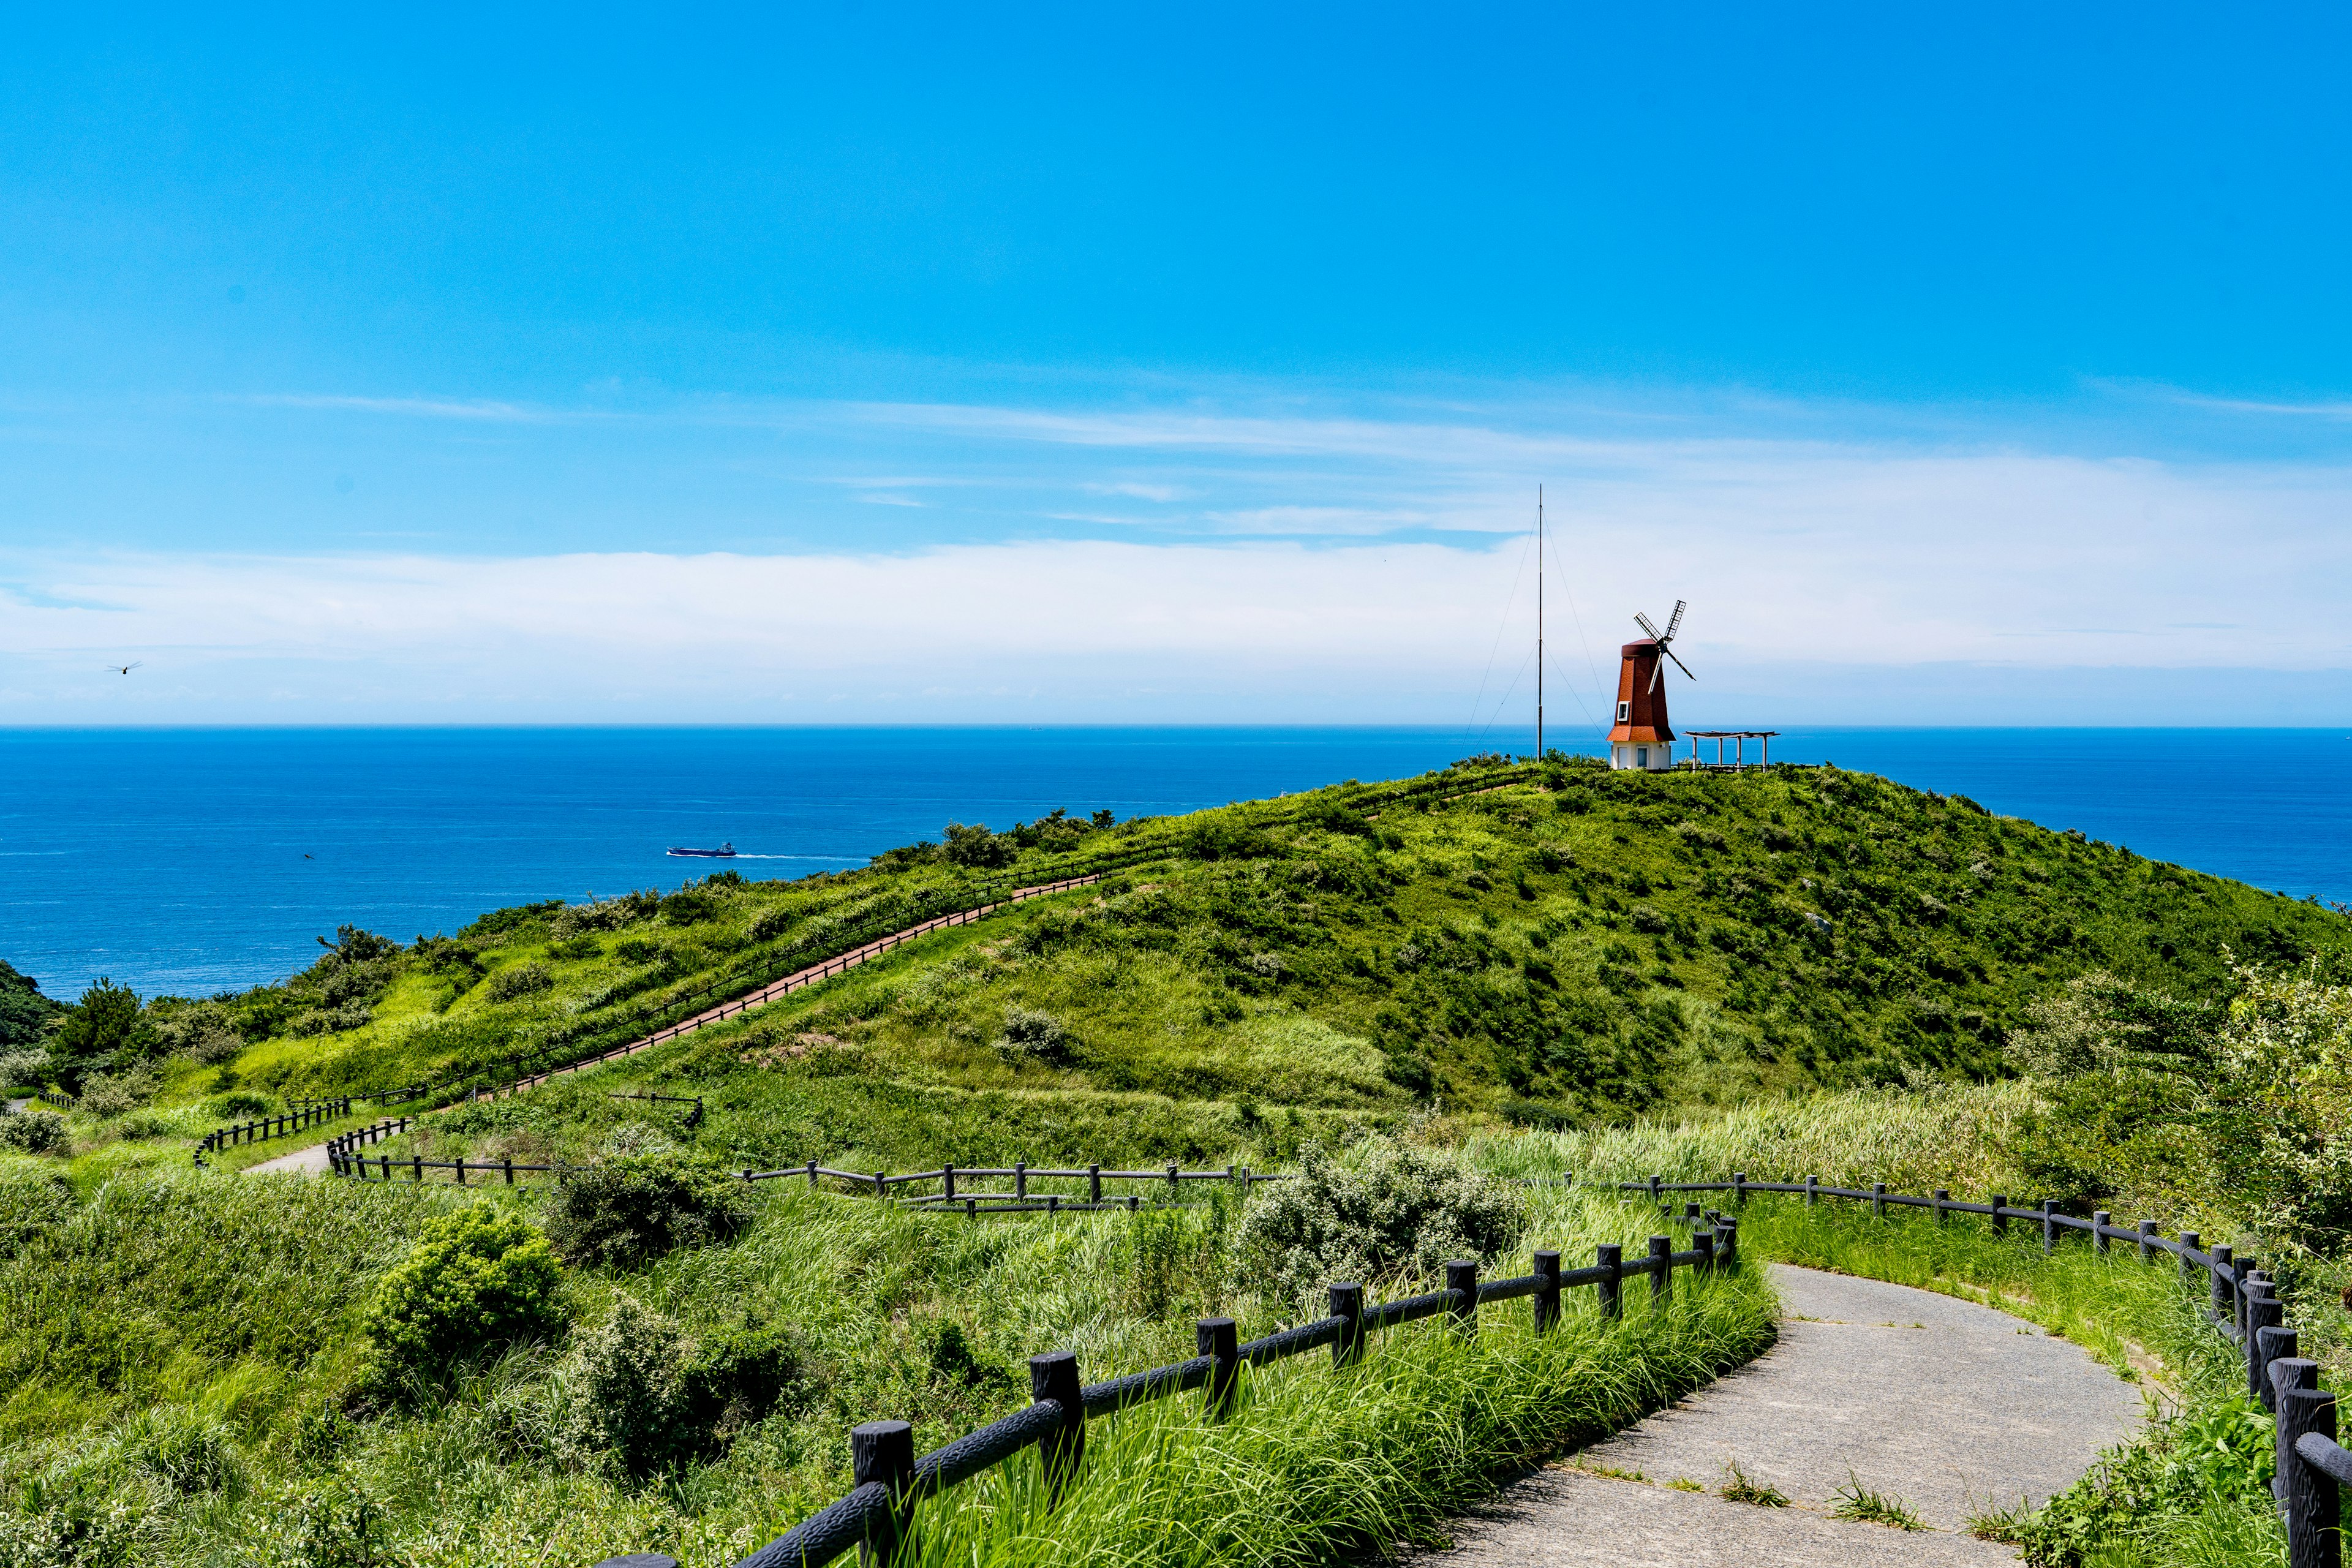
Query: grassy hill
[1539, 945]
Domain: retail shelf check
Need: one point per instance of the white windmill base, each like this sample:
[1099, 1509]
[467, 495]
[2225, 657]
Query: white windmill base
[1647, 756]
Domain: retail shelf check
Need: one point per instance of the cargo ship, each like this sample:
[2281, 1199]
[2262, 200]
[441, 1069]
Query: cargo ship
[724, 852]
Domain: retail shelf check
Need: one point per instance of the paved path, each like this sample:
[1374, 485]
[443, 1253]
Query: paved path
[1945, 1405]
[313, 1160]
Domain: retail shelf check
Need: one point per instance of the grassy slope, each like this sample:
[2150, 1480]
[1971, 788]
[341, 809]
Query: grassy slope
[1584, 943]
[178, 1353]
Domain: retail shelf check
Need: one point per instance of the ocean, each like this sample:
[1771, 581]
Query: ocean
[191, 861]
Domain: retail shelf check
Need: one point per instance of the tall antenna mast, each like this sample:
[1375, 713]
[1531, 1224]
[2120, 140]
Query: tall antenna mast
[1539, 627]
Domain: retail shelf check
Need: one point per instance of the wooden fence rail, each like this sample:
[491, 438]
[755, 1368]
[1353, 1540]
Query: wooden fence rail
[890, 1484]
[2241, 1304]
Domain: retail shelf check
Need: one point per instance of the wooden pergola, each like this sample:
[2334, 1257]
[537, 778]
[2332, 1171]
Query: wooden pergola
[1740, 738]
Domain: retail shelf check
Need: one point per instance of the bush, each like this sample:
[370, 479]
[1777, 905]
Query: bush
[34, 1133]
[976, 847]
[1394, 1209]
[1030, 1035]
[633, 1210]
[772, 922]
[646, 1400]
[24, 1067]
[478, 1280]
[240, 1104]
[111, 1096]
[519, 979]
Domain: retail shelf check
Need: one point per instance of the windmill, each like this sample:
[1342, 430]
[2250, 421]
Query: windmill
[1642, 738]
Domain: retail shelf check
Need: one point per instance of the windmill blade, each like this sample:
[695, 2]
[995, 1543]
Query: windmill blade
[1644, 621]
[1678, 663]
[1658, 673]
[1675, 622]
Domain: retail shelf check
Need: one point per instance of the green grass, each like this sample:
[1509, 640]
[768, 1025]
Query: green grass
[1547, 953]
[185, 1375]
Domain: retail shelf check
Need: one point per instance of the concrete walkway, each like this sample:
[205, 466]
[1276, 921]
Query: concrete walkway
[1946, 1406]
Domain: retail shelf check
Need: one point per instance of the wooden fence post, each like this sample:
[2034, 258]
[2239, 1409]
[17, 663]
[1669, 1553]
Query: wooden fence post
[1347, 1306]
[1661, 1259]
[1055, 1376]
[2049, 1225]
[1546, 1290]
[2275, 1345]
[2148, 1241]
[1812, 1191]
[947, 1177]
[1654, 1187]
[1739, 1189]
[812, 1170]
[2310, 1495]
[1174, 1192]
[1728, 1240]
[1943, 1196]
[417, 1168]
[1703, 1243]
[881, 1184]
[2000, 1220]
[2263, 1311]
[2100, 1220]
[1020, 1178]
[1878, 1200]
[1093, 1180]
[883, 1452]
[1612, 1257]
[1219, 1339]
[1461, 1279]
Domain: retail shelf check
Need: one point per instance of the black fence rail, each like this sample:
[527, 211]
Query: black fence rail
[2240, 1302]
[262, 1130]
[55, 1101]
[891, 1484]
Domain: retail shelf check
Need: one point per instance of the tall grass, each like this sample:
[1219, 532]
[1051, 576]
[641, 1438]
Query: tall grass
[1947, 1135]
[1317, 1465]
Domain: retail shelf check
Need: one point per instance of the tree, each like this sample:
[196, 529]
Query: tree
[25, 1014]
[976, 846]
[107, 1029]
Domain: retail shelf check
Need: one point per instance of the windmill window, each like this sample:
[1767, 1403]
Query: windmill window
[1624, 711]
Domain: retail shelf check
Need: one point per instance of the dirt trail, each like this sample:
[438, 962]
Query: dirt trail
[313, 1159]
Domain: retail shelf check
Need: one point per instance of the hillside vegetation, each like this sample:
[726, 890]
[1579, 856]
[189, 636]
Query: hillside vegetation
[1544, 944]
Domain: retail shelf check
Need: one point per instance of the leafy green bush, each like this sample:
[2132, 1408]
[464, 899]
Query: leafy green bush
[2216, 1459]
[1032, 1036]
[104, 1094]
[477, 1280]
[975, 846]
[108, 1026]
[633, 1210]
[644, 1399]
[34, 1133]
[1391, 1209]
[518, 980]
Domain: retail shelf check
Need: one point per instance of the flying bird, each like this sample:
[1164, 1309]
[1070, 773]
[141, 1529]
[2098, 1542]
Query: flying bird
[126, 669]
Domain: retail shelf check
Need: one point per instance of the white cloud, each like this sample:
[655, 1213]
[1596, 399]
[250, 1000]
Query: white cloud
[1800, 558]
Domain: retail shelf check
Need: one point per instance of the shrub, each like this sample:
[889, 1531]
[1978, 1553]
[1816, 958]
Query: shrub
[107, 1025]
[519, 979]
[24, 1067]
[240, 1104]
[975, 846]
[111, 1096]
[1032, 1036]
[1392, 1209]
[772, 922]
[34, 1133]
[646, 1400]
[634, 1209]
[212, 1045]
[476, 1280]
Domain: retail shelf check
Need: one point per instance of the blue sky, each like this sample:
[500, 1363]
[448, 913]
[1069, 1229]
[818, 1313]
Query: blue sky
[875, 363]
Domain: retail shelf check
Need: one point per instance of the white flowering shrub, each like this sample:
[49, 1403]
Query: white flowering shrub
[1384, 1210]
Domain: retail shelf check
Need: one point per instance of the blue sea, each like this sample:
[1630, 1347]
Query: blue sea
[196, 860]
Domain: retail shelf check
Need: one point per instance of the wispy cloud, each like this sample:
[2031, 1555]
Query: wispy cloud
[413, 407]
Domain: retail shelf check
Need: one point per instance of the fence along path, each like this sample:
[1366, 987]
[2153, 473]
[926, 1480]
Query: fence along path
[318, 1157]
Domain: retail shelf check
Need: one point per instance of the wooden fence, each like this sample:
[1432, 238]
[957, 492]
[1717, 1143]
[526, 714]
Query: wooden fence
[309, 1114]
[530, 1068]
[2242, 1304]
[890, 1483]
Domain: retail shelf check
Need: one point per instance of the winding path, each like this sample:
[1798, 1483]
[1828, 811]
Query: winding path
[313, 1159]
[1947, 1406]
